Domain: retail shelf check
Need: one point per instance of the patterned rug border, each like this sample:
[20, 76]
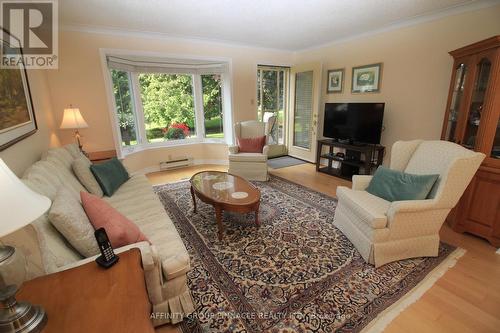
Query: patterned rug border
[414, 286]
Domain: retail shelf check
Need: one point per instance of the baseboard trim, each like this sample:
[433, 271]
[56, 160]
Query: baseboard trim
[156, 168]
[384, 318]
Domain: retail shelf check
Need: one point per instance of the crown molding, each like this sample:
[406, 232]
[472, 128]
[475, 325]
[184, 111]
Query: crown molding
[162, 36]
[423, 18]
[416, 20]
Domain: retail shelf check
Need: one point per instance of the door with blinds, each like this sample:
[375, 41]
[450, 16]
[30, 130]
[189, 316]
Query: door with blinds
[303, 122]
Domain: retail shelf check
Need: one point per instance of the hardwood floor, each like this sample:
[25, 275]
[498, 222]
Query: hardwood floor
[465, 299]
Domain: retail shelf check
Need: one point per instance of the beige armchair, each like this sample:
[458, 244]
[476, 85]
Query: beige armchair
[251, 166]
[384, 231]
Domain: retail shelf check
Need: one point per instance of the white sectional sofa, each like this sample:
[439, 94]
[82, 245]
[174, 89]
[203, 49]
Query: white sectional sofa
[165, 262]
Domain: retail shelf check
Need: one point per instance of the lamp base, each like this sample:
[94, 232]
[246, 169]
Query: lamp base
[22, 317]
[17, 317]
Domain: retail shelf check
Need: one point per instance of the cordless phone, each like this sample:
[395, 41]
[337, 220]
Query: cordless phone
[108, 257]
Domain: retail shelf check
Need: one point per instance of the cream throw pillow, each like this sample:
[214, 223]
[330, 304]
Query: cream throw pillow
[81, 168]
[69, 218]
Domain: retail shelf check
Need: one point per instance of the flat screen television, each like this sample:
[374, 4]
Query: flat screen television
[357, 123]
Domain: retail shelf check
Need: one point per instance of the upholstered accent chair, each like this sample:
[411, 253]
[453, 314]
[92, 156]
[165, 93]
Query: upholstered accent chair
[384, 231]
[251, 166]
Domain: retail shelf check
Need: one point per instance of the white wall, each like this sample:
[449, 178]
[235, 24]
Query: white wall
[416, 70]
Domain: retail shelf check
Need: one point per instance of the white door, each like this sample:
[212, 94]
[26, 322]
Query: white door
[304, 107]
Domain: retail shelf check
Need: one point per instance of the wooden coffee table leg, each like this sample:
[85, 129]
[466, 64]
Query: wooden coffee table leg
[257, 214]
[218, 215]
[194, 198]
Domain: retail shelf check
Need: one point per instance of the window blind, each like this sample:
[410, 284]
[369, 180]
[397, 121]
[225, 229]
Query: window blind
[164, 65]
[303, 109]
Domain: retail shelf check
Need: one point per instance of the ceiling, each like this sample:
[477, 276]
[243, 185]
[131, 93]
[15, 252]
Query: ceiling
[279, 24]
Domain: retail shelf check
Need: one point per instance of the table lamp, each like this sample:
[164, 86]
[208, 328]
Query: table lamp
[19, 206]
[72, 119]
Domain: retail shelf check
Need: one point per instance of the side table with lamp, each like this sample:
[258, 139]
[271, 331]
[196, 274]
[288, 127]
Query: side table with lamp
[72, 119]
[78, 298]
[19, 206]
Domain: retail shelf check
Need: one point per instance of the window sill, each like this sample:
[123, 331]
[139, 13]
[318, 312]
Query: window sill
[129, 150]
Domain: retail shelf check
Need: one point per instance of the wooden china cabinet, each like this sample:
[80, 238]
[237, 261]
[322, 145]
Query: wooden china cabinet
[472, 120]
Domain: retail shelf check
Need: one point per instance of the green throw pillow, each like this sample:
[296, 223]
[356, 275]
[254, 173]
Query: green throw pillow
[110, 175]
[393, 185]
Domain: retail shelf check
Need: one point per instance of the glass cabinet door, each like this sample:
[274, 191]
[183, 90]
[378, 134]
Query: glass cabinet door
[456, 100]
[480, 86]
[495, 150]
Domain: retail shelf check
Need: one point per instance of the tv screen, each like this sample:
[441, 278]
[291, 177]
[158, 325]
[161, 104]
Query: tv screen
[356, 122]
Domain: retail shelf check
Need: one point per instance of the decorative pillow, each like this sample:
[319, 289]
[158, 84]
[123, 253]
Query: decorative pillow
[69, 218]
[121, 231]
[81, 168]
[110, 175]
[393, 185]
[251, 145]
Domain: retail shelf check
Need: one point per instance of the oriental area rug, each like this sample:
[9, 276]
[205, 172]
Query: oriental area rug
[296, 273]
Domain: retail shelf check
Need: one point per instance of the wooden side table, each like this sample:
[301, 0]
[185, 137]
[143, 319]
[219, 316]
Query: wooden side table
[89, 298]
[101, 156]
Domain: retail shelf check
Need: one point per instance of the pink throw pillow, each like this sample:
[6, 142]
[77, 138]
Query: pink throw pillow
[251, 145]
[121, 231]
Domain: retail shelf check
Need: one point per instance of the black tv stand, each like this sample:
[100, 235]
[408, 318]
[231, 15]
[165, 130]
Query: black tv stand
[352, 163]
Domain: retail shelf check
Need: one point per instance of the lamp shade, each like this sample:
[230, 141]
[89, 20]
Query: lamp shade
[19, 205]
[73, 119]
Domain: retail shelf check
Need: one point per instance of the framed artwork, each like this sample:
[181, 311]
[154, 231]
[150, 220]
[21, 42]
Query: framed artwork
[335, 81]
[17, 116]
[366, 78]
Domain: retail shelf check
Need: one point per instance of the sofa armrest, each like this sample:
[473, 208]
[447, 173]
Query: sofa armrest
[233, 149]
[144, 247]
[265, 150]
[150, 263]
[360, 182]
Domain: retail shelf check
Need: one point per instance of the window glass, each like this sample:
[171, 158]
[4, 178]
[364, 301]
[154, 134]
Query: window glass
[212, 105]
[124, 107]
[271, 99]
[168, 106]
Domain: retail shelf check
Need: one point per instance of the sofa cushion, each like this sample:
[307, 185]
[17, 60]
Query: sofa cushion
[110, 175]
[121, 231]
[248, 157]
[150, 216]
[69, 218]
[368, 207]
[394, 185]
[74, 150]
[81, 168]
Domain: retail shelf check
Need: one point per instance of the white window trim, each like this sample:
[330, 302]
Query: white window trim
[142, 145]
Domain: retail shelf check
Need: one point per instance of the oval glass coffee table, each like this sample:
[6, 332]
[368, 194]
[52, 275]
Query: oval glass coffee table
[225, 192]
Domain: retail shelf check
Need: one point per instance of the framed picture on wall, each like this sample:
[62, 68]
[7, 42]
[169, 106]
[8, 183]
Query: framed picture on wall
[335, 82]
[366, 78]
[17, 116]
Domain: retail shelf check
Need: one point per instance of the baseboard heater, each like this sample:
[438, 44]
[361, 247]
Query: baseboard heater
[175, 163]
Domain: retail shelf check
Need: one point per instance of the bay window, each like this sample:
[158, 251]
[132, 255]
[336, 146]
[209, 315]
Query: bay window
[168, 102]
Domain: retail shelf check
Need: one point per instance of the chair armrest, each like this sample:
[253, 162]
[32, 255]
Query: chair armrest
[409, 206]
[265, 150]
[233, 149]
[360, 182]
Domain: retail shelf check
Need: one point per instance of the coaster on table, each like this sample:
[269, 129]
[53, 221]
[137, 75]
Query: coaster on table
[222, 186]
[239, 195]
